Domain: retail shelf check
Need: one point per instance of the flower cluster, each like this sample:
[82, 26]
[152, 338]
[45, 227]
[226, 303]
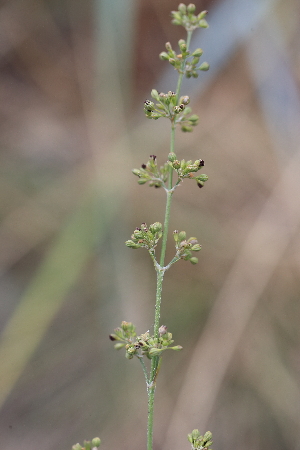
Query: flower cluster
[200, 442]
[88, 445]
[150, 172]
[145, 344]
[185, 16]
[185, 247]
[146, 237]
[168, 107]
[184, 62]
[186, 169]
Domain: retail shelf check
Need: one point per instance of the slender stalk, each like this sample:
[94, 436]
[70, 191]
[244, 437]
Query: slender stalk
[155, 361]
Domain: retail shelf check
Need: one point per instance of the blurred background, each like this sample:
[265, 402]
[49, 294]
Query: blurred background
[73, 79]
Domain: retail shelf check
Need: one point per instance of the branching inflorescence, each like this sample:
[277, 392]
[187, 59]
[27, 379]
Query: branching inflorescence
[174, 107]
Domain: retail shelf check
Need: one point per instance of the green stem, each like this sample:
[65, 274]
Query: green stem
[180, 79]
[155, 361]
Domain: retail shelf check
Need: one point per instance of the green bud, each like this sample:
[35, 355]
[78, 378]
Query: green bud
[181, 236]
[182, 45]
[155, 351]
[194, 119]
[198, 52]
[148, 105]
[168, 46]
[191, 8]
[119, 345]
[172, 61]
[182, 8]
[87, 445]
[203, 23]
[154, 94]
[202, 178]
[186, 128]
[96, 442]
[204, 66]
[142, 181]
[162, 330]
[177, 21]
[177, 347]
[185, 100]
[202, 15]
[196, 248]
[77, 447]
[155, 227]
[132, 244]
[164, 56]
[171, 157]
[176, 164]
[136, 172]
[178, 109]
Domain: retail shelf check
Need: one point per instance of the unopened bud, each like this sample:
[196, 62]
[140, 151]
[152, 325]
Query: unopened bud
[191, 8]
[96, 442]
[162, 330]
[164, 56]
[172, 157]
[204, 66]
[182, 8]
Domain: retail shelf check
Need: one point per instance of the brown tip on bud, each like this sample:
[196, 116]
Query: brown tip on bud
[112, 338]
[143, 166]
[200, 185]
[162, 330]
[201, 163]
[153, 157]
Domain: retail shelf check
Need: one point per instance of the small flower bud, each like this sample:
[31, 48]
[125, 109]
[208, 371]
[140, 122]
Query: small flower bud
[194, 260]
[176, 347]
[191, 8]
[154, 94]
[176, 164]
[162, 330]
[155, 227]
[202, 178]
[182, 45]
[119, 345]
[136, 172]
[182, 236]
[77, 447]
[142, 181]
[87, 445]
[171, 157]
[164, 56]
[203, 23]
[194, 119]
[155, 351]
[204, 66]
[172, 61]
[185, 100]
[186, 128]
[168, 46]
[182, 8]
[198, 52]
[96, 442]
[132, 244]
[202, 15]
[149, 105]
